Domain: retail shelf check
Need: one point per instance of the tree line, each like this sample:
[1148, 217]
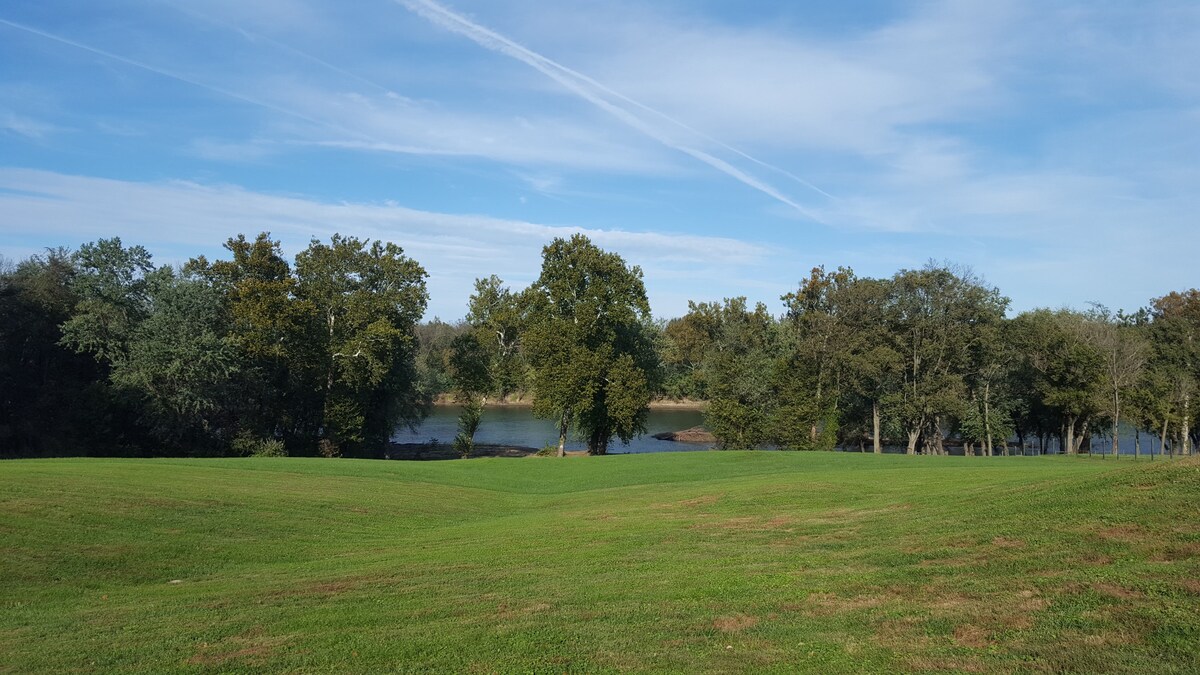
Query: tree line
[102, 352]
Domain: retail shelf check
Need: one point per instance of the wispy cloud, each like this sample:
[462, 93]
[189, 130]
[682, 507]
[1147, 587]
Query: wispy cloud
[182, 219]
[25, 126]
[601, 96]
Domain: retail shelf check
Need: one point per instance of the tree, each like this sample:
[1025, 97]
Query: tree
[113, 288]
[366, 298]
[685, 345]
[162, 337]
[816, 353]
[53, 399]
[935, 319]
[497, 318]
[181, 362]
[1063, 370]
[588, 344]
[872, 364]
[741, 368]
[1122, 350]
[268, 325]
[1176, 355]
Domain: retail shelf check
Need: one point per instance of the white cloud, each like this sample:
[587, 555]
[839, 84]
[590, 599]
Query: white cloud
[182, 219]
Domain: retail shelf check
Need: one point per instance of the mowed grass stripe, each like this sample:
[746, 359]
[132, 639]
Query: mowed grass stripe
[682, 562]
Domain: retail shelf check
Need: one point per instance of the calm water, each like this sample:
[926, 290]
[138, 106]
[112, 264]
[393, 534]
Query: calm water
[517, 426]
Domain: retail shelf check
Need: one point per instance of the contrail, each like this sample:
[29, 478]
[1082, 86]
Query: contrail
[175, 76]
[252, 36]
[571, 79]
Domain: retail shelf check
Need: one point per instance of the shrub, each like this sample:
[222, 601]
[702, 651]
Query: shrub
[246, 444]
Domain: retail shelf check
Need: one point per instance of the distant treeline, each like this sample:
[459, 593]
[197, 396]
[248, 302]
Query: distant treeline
[922, 359]
[102, 352]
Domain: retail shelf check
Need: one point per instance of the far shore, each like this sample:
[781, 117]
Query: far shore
[660, 404]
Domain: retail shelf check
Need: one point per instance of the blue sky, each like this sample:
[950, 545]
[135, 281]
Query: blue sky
[727, 148]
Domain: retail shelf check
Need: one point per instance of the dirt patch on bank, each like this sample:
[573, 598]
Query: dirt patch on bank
[693, 435]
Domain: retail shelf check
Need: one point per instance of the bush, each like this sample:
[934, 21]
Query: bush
[548, 450]
[249, 445]
[463, 445]
[270, 448]
[328, 448]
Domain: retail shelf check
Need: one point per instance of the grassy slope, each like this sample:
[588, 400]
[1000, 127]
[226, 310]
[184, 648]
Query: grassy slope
[678, 562]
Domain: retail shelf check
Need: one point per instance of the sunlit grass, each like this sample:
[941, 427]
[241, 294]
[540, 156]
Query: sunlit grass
[682, 562]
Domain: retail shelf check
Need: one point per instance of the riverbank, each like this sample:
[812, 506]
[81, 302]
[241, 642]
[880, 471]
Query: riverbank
[526, 402]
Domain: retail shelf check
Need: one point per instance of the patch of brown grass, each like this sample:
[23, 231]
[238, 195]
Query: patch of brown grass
[1127, 533]
[506, 612]
[1190, 585]
[252, 646]
[1005, 542]
[749, 524]
[828, 604]
[736, 623]
[843, 515]
[1177, 552]
[325, 588]
[969, 635]
[926, 664]
[1115, 591]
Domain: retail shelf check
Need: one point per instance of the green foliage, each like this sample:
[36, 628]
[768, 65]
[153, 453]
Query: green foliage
[468, 425]
[589, 343]
[366, 298]
[53, 400]
[497, 318]
[245, 444]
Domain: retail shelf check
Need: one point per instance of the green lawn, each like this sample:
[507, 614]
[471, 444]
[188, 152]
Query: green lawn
[671, 562]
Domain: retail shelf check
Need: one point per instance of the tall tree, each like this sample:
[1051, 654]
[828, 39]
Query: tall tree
[367, 297]
[268, 325]
[1176, 337]
[1123, 351]
[741, 366]
[589, 345]
[1065, 371]
[935, 317]
[496, 315]
[872, 364]
[53, 400]
[817, 341]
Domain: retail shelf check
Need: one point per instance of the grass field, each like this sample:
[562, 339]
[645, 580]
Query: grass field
[673, 562]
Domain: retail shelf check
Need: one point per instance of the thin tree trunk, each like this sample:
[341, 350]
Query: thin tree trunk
[1162, 440]
[877, 442]
[1185, 444]
[563, 424]
[1069, 433]
[1137, 442]
[1116, 422]
[987, 420]
[913, 435]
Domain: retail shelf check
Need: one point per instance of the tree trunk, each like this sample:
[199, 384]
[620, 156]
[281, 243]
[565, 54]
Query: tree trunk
[1185, 445]
[563, 424]
[987, 420]
[1137, 442]
[1116, 422]
[913, 435]
[1069, 436]
[876, 441]
[1162, 440]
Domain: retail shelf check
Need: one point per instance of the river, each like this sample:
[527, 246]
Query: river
[516, 425]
